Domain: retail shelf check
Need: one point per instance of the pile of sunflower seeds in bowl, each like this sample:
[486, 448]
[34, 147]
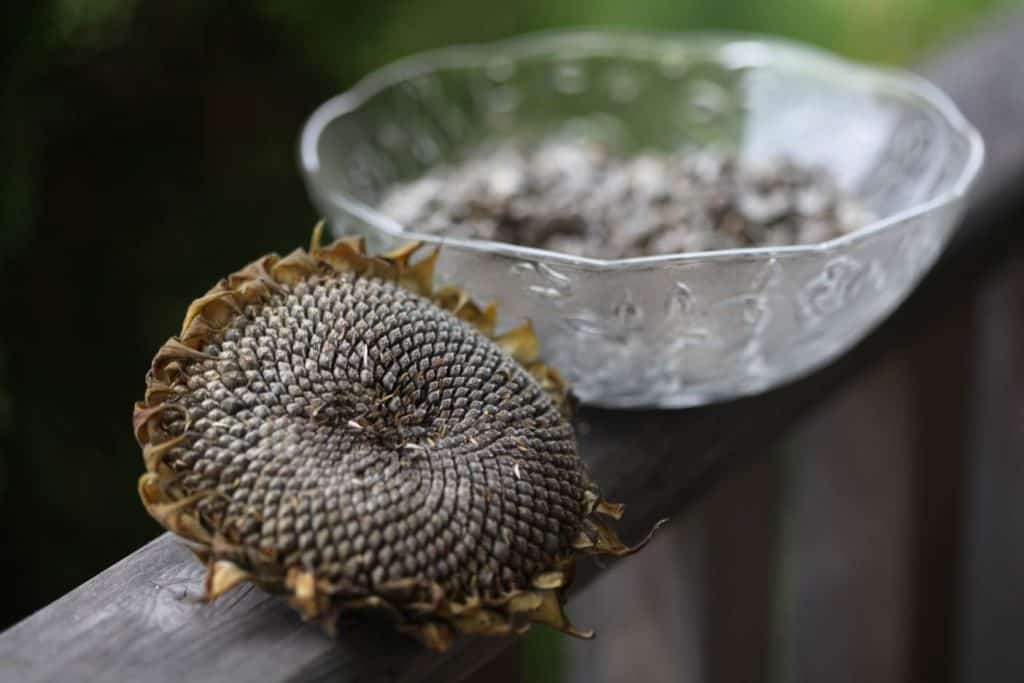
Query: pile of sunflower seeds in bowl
[577, 197]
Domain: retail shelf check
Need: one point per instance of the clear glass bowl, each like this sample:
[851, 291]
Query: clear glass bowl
[677, 329]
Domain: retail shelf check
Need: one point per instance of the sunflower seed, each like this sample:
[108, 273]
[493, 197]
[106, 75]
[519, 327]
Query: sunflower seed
[577, 197]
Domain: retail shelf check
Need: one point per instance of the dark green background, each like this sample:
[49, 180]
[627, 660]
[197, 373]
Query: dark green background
[149, 147]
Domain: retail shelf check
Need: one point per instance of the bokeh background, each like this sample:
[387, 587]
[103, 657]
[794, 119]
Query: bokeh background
[149, 147]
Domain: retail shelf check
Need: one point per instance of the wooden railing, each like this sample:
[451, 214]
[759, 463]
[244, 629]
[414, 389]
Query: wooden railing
[142, 619]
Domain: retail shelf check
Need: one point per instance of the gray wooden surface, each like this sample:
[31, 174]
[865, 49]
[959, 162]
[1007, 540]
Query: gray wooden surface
[650, 613]
[141, 620]
[992, 601]
[845, 617]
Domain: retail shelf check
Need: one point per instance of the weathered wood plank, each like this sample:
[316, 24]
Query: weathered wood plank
[940, 454]
[651, 612]
[742, 536]
[991, 601]
[845, 614]
[140, 620]
[143, 619]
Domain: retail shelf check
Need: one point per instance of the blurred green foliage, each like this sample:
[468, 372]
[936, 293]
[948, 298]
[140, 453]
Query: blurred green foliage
[149, 148]
[890, 31]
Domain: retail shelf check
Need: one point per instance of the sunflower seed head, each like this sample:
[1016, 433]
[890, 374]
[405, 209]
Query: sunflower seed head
[329, 426]
[361, 432]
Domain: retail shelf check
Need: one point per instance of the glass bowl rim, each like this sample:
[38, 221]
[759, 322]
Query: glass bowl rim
[748, 49]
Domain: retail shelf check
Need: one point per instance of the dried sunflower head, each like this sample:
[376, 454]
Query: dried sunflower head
[329, 426]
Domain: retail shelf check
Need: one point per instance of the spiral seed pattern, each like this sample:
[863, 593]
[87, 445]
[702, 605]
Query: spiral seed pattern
[354, 429]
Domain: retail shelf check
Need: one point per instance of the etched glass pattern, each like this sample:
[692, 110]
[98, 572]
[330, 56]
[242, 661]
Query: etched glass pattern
[670, 330]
